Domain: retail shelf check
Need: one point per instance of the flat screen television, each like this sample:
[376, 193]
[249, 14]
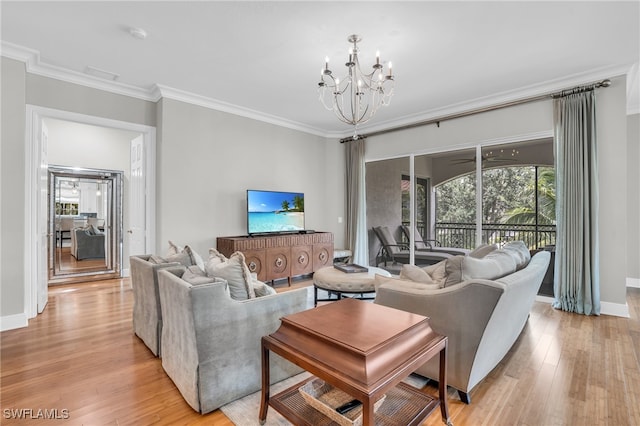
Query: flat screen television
[274, 212]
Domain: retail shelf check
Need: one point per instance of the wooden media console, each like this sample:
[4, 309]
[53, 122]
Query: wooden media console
[274, 257]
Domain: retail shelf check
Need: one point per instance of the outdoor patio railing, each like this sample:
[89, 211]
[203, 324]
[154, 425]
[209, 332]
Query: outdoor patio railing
[464, 234]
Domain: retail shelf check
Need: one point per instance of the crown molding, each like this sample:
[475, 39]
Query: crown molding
[35, 65]
[533, 90]
[203, 101]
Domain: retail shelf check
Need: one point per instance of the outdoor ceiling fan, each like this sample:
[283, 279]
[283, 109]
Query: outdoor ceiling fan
[491, 157]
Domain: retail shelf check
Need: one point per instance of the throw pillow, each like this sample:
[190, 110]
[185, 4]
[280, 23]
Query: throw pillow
[196, 259]
[496, 264]
[520, 253]
[482, 250]
[216, 257]
[174, 249]
[155, 259]
[379, 280]
[437, 272]
[415, 273]
[182, 258]
[453, 268]
[195, 276]
[236, 272]
[261, 289]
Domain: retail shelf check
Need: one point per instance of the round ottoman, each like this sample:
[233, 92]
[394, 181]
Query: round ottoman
[337, 283]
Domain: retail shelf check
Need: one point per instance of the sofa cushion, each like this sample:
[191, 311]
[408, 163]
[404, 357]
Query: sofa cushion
[496, 264]
[381, 280]
[415, 273]
[520, 253]
[482, 250]
[235, 272]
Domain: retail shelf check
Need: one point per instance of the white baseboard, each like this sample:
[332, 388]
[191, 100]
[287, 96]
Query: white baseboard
[10, 322]
[606, 308]
[633, 282]
[615, 309]
[544, 299]
[125, 273]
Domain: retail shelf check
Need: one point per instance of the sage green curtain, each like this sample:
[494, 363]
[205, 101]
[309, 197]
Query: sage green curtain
[356, 221]
[576, 282]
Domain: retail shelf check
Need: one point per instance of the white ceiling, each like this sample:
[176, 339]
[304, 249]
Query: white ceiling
[262, 59]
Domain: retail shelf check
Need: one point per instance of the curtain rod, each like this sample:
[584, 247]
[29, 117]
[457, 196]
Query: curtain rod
[437, 121]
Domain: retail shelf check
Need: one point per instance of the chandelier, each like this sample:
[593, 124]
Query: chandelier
[356, 97]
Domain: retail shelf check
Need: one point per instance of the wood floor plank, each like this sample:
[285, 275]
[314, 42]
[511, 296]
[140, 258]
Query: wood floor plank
[81, 355]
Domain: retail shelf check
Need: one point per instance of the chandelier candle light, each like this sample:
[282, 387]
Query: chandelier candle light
[356, 97]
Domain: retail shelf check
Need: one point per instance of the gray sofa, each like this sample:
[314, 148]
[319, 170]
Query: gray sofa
[87, 244]
[147, 316]
[482, 318]
[211, 343]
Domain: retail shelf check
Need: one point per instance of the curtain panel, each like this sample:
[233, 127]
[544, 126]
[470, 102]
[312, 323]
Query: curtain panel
[356, 221]
[576, 282]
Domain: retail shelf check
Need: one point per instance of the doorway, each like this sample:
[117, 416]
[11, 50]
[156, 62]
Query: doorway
[85, 224]
[37, 236]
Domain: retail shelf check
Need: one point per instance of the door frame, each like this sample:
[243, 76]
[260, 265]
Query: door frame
[34, 118]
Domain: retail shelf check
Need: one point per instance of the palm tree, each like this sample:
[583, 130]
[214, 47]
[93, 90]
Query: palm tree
[285, 205]
[546, 193]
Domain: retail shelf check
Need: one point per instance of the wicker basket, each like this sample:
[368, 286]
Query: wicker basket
[325, 398]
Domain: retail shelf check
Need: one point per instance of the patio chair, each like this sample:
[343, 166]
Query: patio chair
[431, 245]
[398, 252]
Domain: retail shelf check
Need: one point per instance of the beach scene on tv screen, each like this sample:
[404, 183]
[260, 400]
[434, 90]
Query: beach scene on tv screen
[275, 211]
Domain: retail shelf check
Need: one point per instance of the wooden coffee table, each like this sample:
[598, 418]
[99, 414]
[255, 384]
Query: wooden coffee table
[363, 349]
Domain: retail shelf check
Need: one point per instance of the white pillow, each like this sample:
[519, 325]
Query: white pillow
[482, 250]
[380, 280]
[520, 253]
[235, 272]
[496, 264]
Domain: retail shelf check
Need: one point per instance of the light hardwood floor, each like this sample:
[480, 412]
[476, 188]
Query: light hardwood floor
[81, 356]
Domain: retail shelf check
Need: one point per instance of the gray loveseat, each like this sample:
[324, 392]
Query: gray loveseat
[481, 317]
[211, 343]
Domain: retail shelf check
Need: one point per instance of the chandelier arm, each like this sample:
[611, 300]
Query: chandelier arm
[367, 92]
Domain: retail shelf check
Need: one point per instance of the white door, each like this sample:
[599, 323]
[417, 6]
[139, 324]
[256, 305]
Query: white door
[43, 226]
[137, 199]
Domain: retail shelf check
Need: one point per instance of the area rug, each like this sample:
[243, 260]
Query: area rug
[244, 412]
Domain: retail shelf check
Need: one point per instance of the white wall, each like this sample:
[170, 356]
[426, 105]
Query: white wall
[537, 119]
[633, 197]
[12, 214]
[207, 160]
[86, 146]
[19, 89]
